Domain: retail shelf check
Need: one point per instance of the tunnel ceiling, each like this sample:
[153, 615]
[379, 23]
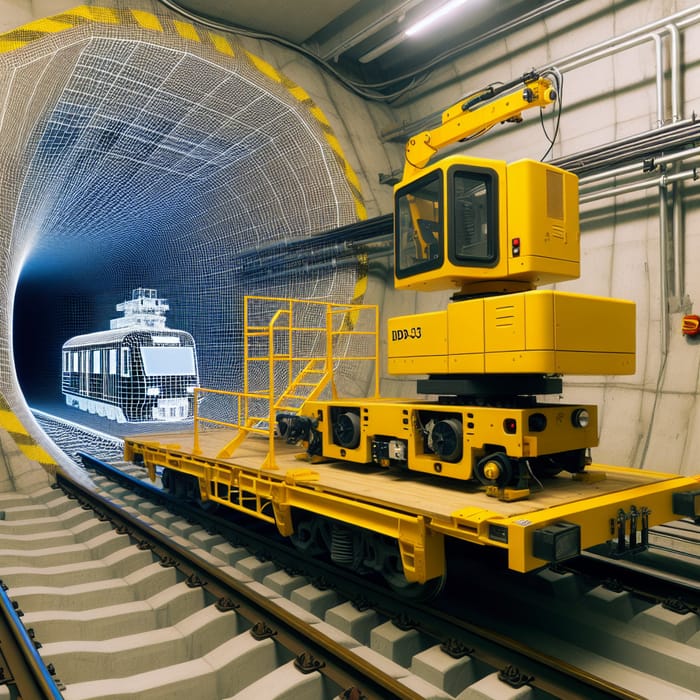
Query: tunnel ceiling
[160, 158]
[364, 40]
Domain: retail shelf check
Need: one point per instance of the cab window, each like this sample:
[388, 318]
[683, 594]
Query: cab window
[474, 235]
[419, 242]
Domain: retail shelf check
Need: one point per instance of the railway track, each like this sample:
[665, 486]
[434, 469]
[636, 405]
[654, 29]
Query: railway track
[72, 438]
[488, 633]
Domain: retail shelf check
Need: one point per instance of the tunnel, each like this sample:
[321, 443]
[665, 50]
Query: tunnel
[144, 151]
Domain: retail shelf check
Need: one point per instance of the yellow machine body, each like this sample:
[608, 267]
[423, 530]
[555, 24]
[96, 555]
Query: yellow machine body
[446, 440]
[542, 331]
[484, 225]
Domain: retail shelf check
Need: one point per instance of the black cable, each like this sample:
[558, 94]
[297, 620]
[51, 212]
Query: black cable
[558, 80]
[364, 90]
[369, 90]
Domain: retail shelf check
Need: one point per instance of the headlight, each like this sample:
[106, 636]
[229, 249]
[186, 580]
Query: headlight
[581, 418]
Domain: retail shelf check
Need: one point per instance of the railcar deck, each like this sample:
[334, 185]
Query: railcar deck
[606, 503]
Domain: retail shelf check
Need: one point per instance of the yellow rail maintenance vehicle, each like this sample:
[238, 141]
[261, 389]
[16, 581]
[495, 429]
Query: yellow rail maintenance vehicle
[480, 459]
[493, 232]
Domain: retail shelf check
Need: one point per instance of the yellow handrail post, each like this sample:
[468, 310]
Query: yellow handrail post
[290, 343]
[195, 414]
[271, 400]
[330, 368]
[376, 352]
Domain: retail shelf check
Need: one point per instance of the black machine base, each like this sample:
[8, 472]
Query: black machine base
[488, 385]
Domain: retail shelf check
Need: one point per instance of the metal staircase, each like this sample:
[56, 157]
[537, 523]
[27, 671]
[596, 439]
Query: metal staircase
[292, 349]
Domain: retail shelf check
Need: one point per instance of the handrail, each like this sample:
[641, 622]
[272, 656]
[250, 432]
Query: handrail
[288, 359]
[270, 460]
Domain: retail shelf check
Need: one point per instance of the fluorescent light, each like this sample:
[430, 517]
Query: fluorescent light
[414, 29]
[433, 17]
[380, 50]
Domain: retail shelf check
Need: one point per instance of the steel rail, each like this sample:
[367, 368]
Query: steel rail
[308, 644]
[22, 669]
[485, 645]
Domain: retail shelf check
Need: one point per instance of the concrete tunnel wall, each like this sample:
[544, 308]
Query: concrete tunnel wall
[647, 419]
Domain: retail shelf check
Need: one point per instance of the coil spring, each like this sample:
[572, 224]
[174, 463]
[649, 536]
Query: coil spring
[342, 547]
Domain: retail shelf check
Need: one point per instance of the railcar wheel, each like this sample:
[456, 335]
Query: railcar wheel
[545, 466]
[183, 486]
[410, 590]
[346, 430]
[166, 479]
[573, 461]
[308, 537]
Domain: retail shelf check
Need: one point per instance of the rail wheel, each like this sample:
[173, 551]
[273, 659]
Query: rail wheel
[308, 537]
[447, 439]
[184, 486]
[395, 578]
[572, 461]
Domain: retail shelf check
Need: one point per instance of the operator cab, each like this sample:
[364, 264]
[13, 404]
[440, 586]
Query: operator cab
[484, 226]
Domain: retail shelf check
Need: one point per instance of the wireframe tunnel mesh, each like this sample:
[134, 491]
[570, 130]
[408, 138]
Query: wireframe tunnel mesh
[162, 158]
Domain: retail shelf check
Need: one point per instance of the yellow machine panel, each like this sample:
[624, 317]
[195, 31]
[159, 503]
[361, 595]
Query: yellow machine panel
[542, 331]
[467, 222]
[422, 345]
[543, 223]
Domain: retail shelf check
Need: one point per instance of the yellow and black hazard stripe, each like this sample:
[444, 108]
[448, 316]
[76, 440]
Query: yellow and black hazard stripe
[26, 443]
[188, 31]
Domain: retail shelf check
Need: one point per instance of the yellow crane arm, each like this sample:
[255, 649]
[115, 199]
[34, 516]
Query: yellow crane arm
[478, 113]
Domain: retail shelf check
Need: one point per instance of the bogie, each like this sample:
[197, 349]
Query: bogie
[361, 551]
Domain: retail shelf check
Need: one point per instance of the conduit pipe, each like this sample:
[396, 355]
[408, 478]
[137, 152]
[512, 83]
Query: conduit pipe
[639, 165]
[676, 284]
[394, 15]
[663, 274]
[628, 40]
[678, 244]
[675, 71]
[649, 32]
[638, 146]
[662, 181]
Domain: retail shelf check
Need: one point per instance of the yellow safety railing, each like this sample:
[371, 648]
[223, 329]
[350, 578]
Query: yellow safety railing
[301, 355]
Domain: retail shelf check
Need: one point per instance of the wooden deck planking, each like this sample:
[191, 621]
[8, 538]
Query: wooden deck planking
[412, 492]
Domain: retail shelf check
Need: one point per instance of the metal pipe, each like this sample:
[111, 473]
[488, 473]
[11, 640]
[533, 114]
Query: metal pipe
[678, 241]
[627, 169]
[662, 181]
[394, 15]
[663, 276]
[631, 38]
[661, 139]
[675, 71]
[660, 111]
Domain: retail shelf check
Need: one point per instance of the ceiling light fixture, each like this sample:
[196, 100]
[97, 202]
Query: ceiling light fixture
[414, 29]
[433, 17]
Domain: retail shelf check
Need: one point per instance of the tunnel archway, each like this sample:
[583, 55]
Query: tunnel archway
[144, 150]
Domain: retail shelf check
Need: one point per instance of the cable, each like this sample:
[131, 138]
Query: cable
[409, 81]
[364, 90]
[558, 79]
[532, 474]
